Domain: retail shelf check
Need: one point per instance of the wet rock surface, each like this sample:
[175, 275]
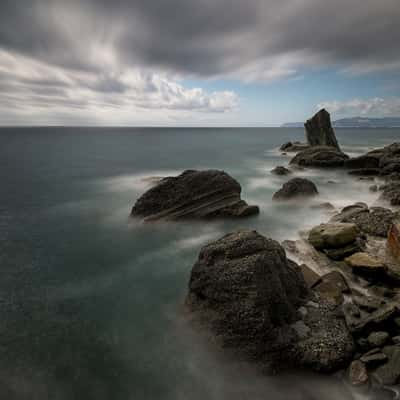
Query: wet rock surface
[280, 170]
[193, 194]
[321, 157]
[293, 147]
[295, 188]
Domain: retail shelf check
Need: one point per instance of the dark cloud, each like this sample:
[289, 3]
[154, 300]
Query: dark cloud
[205, 37]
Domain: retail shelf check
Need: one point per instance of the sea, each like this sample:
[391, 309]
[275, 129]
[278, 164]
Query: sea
[91, 301]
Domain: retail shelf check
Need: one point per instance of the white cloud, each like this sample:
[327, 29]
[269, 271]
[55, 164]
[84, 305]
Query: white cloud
[373, 107]
[35, 90]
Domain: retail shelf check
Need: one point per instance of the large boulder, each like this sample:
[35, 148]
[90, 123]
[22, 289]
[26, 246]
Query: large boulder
[319, 131]
[296, 187]
[193, 194]
[320, 156]
[374, 221]
[245, 290]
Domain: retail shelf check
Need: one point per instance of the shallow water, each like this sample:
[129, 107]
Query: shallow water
[90, 300]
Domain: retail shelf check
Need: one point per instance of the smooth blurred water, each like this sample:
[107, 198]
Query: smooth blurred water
[91, 301]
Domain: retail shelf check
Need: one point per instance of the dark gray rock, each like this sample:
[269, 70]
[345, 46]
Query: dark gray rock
[280, 170]
[365, 172]
[374, 358]
[245, 290]
[331, 287]
[321, 157]
[296, 187]
[362, 162]
[319, 131]
[368, 303]
[193, 194]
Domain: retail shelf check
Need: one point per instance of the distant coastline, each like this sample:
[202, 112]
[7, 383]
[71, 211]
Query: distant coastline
[356, 122]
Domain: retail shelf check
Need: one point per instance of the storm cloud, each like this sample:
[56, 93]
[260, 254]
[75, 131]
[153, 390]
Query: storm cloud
[135, 54]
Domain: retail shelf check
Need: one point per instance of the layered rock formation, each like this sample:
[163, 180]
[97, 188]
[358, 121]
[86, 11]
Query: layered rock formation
[193, 194]
[319, 131]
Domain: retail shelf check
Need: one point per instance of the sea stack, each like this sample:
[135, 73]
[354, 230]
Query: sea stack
[319, 131]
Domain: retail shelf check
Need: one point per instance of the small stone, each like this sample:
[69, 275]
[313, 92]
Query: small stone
[369, 303]
[378, 339]
[309, 275]
[358, 374]
[389, 373]
[331, 287]
[396, 339]
[279, 170]
[373, 188]
[375, 359]
[301, 329]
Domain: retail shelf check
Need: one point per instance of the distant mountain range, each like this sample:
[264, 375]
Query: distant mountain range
[356, 122]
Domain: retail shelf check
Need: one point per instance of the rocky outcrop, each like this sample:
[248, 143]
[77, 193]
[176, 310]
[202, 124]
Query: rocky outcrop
[280, 170]
[245, 290]
[374, 221]
[319, 131]
[321, 157]
[384, 161]
[296, 187]
[193, 194]
[253, 300]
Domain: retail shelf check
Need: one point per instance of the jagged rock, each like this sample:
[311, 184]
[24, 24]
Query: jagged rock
[378, 339]
[368, 303]
[193, 194]
[375, 221]
[393, 242]
[379, 319]
[310, 277]
[391, 193]
[366, 265]
[331, 287]
[357, 373]
[293, 147]
[319, 131]
[296, 187]
[279, 170]
[333, 235]
[389, 373]
[320, 156]
[245, 290]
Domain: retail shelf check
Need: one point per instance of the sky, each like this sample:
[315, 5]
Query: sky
[197, 62]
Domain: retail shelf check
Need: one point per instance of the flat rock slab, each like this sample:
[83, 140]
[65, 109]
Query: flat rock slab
[320, 157]
[366, 265]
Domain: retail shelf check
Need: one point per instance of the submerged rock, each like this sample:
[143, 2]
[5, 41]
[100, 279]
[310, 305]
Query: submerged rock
[320, 156]
[293, 147]
[194, 194]
[391, 193]
[296, 187]
[245, 290]
[319, 131]
[280, 170]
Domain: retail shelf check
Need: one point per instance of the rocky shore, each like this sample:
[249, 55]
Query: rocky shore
[328, 302]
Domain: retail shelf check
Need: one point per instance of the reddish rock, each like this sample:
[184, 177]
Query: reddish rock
[394, 240]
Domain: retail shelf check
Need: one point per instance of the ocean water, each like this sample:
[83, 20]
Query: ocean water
[91, 301]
